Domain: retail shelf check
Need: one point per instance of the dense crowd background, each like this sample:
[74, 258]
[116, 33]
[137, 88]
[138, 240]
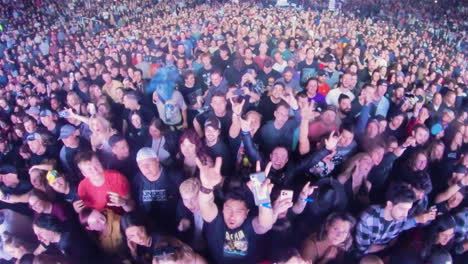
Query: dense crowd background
[217, 132]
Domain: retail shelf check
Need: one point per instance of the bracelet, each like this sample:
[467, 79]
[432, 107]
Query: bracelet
[205, 190]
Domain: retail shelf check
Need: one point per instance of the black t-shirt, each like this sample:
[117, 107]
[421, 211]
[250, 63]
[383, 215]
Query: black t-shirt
[269, 78]
[190, 94]
[266, 108]
[307, 69]
[67, 161]
[204, 77]
[221, 149]
[49, 154]
[399, 133]
[231, 246]
[127, 167]
[159, 198]
[72, 195]
[226, 121]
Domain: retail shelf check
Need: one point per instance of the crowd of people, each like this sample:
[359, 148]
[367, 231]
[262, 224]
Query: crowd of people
[189, 132]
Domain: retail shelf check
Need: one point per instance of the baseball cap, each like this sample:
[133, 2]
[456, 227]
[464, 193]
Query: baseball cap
[328, 58]
[51, 176]
[33, 111]
[33, 136]
[45, 112]
[146, 153]
[5, 169]
[66, 131]
[213, 122]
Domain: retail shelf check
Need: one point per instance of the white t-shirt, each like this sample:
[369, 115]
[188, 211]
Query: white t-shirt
[334, 94]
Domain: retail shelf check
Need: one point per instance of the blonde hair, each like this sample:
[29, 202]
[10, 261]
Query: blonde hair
[351, 166]
[191, 185]
[93, 121]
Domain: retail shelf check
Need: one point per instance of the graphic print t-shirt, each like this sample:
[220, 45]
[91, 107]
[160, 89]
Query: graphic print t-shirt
[231, 246]
[158, 197]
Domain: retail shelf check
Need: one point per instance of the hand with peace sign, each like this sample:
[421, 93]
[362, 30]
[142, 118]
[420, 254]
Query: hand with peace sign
[266, 186]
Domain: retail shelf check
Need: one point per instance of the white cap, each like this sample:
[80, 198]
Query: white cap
[146, 153]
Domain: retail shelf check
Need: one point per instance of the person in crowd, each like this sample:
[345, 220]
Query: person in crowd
[107, 226]
[378, 226]
[155, 188]
[138, 236]
[332, 241]
[102, 188]
[124, 109]
[70, 242]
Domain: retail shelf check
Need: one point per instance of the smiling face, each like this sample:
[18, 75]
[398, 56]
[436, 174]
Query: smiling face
[279, 158]
[92, 169]
[445, 236]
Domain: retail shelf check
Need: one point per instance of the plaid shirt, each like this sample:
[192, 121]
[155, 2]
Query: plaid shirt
[373, 229]
[461, 230]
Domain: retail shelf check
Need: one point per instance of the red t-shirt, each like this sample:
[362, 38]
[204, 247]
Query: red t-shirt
[97, 197]
[323, 89]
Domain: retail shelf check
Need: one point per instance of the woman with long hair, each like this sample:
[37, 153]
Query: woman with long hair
[191, 147]
[332, 241]
[440, 235]
[139, 238]
[354, 179]
[73, 243]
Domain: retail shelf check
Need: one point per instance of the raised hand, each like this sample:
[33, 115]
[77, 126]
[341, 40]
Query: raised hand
[237, 107]
[307, 112]
[331, 142]
[307, 191]
[78, 205]
[282, 205]
[116, 200]
[245, 125]
[266, 185]
[426, 217]
[210, 176]
[410, 141]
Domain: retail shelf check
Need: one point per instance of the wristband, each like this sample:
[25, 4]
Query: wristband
[459, 184]
[267, 205]
[309, 200]
[205, 190]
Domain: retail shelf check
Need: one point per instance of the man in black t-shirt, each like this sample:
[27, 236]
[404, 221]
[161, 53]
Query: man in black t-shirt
[216, 146]
[232, 234]
[155, 189]
[219, 109]
[41, 153]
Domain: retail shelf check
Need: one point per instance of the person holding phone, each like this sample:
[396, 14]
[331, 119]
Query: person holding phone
[233, 234]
